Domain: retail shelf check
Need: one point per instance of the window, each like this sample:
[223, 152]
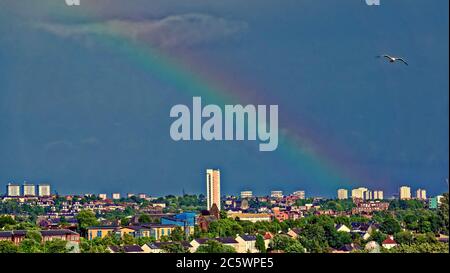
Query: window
[99, 233]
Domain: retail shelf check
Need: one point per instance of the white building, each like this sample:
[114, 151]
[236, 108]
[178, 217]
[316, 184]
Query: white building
[276, 194]
[405, 193]
[246, 194]
[13, 190]
[359, 193]
[368, 195]
[300, 194]
[378, 195]
[103, 196]
[421, 194]
[116, 196]
[342, 194]
[142, 196]
[44, 190]
[29, 189]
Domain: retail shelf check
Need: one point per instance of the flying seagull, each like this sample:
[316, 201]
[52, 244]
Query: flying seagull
[393, 59]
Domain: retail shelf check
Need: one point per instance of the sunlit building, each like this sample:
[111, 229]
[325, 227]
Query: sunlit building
[44, 190]
[300, 194]
[212, 188]
[421, 194]
[405, 193]
[246, 194]
[29, 189]
[342, 194]
[378, 195]
[116, 196]
[276, 194]
[13, 190]
[359, 193]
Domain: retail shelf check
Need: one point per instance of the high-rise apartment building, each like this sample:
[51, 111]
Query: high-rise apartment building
[405, 193]
[212, 188]
[116, 196]
[359, 193]
[300, 194]
[368, 195]
[13, 190]
[29, 189]
[421, 194]
[342, 194]
[44, 190]
[276, 194]
[103, 196]
[246, 194]
[378, 195]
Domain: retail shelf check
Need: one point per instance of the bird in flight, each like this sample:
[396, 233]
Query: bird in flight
[393, 59]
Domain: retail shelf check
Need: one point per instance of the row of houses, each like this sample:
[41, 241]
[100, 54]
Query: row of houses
[17, 236]
[241, 243]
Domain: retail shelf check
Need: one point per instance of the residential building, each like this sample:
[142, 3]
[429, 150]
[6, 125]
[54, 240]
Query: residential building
[370, 207]
[116, 196]
[276, 194]
[13, 190]
[103, 196]
[359, 193]
[342, 194]
[212, 188]
[368, 195]
[421, 194]
[159, 247]
[405, 193]
[229, 241]
[246, 244]
[246, 194]
[342, 228]
[29, 189]
[389, 242]
[100, 231]
[126, 249]
[378, 195]
[251, 217]
[17, 236]
[435, 202]
[44, 190]
[300, 194]
[142, 196]
[157, 231]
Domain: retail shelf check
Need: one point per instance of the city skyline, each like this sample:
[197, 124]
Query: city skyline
[420, 193]
[86, 93]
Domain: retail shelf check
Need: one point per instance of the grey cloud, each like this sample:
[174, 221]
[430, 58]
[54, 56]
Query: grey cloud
[183, 30]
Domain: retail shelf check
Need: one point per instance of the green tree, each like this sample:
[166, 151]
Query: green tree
[56, 246]
[404, 237]
[443, 213]
[29, 246]
[6, 220]
[175, 247]
[34, 235]
[260, 244]
[390, 226]
[213, 246]
[128, 239]
[8, 247]
[177, 234]
[86, 218]
[144, 218]
[286, 244]
[378, 236]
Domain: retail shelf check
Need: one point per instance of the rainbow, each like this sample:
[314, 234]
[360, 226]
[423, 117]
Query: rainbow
[299, 145]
